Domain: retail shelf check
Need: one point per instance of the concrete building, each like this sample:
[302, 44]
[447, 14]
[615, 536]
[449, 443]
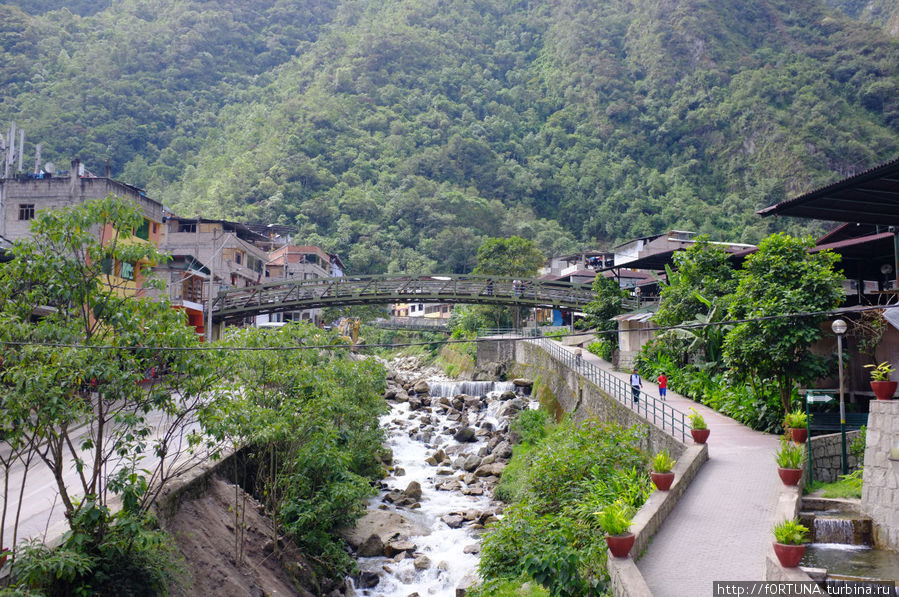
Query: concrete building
[23, 197]
[206, 253]
[294, 262]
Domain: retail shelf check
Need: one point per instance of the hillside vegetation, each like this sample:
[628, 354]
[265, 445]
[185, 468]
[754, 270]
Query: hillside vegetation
[400, 134]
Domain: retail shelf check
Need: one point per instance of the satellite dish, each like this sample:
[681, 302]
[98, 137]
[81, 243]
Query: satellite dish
[50, 167]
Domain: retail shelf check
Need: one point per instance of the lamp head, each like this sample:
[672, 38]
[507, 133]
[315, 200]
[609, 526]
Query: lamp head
[838, 326]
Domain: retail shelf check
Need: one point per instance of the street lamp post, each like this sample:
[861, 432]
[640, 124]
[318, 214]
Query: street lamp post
[839, 328]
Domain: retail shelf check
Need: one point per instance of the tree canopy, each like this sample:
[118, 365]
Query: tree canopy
[782, 277]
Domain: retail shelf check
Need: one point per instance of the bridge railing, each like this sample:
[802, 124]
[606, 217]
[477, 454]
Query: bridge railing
[658, 412]
[285, 295]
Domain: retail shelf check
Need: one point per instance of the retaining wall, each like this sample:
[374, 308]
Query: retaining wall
[827, 460]
[582, 399]
[880, 481]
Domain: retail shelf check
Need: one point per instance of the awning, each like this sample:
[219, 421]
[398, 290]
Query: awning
[871, 197]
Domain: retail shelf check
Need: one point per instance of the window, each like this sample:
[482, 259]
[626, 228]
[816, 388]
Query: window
[237, 257]
[155, 228]
[143, 230]
[26, 211]
[182, 227]
[107, 266]
[127, 271]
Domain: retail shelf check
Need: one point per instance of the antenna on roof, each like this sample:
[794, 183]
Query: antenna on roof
[21, 147]
[8, 153]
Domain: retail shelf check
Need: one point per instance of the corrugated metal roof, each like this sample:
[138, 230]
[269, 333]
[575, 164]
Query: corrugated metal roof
[870, 197]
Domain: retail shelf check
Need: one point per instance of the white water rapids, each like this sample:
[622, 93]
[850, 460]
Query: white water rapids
[409, 438]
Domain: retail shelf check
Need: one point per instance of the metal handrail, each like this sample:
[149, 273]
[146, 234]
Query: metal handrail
[655, 411]
[286, 295]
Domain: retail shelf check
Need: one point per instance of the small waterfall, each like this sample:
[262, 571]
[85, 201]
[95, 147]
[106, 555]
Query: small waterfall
[834, 530]
[449, 389]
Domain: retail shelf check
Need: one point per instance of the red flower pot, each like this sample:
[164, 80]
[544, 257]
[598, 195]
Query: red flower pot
[799, 434]
[700, 435]
[662, 481]
[789, 555]
[620, 545]
[790, 476]
[884, 390]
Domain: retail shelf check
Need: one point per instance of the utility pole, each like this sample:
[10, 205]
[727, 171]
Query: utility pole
[215, 252]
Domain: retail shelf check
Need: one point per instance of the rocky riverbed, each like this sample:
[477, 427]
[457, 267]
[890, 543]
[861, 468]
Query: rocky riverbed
[450, 444]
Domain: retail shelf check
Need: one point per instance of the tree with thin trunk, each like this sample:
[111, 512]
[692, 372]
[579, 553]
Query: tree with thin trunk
[783, 277]
[84, 381]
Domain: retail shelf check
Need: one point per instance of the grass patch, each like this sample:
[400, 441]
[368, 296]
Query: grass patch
[502, 587]
[848, 487]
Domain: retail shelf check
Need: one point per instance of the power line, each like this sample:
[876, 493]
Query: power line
[210, 348]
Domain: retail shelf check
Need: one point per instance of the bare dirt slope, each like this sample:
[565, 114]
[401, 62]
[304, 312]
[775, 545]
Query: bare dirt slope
[203, 529]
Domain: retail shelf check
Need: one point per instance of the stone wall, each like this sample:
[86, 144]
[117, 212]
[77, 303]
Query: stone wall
[880, 488]
[580, 397]
[499, 350]
[827, 461]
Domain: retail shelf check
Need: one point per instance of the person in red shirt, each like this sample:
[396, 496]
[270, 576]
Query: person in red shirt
[663, 386]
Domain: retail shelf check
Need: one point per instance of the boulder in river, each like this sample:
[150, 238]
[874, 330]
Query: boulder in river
[413, 490]
[466, 434]
[421, 387]
[453, 521]
[371, 547]
[471, 463]
[382, 523]
[393, 548]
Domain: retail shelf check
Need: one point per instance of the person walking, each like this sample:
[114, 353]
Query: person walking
[636, 384]
[577, 357]
[663, 385]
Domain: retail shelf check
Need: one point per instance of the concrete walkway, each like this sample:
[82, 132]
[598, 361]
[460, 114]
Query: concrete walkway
[721, 528]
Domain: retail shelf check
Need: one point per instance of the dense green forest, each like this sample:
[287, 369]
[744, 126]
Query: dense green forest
[401, 134]
[881, 12]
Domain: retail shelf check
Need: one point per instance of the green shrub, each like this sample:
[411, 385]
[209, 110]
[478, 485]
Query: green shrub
[513, 482]
[789, 455]
[796, 419]
[530, 425]
[103, 554]
[790, 532]
[615, 519]
[663, 462]
[522, 586]
[857, 446]
[604, 349]
[550, 533]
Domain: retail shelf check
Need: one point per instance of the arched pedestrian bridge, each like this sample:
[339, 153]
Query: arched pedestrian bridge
[296, 295]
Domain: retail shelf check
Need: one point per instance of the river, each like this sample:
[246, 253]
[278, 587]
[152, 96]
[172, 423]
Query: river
[414, 435]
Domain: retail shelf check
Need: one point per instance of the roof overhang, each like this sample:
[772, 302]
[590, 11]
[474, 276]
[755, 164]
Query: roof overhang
[871, 197]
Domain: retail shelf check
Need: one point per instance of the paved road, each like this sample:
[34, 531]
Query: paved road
[42, 514]
[721, 527]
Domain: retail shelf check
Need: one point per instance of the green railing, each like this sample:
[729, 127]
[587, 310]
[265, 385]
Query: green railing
[655, 411]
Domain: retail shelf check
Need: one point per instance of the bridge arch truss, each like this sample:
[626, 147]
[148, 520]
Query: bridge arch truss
[296, 295]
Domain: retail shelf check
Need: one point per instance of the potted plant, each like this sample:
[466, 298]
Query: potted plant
[880, 380]
[789, 461]
[615, 520]
[789, 539]
[661, 474]
[797, 423]
[698, 429]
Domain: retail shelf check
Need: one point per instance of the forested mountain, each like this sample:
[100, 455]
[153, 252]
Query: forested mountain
[401, 133]
[881, 12]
